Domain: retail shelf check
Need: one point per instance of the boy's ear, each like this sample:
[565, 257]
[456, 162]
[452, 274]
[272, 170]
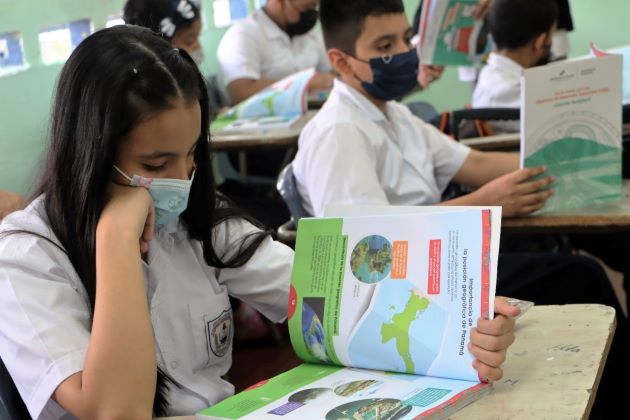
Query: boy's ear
[542, 41]
[339, 62]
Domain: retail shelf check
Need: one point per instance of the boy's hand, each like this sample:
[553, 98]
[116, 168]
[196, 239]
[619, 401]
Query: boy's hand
[490, 340]
[321, 81]
[481, 10]
[515, 193]
[429, 74]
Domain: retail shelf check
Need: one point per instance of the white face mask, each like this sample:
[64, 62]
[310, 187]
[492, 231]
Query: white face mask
[198, 56]
[170, 196]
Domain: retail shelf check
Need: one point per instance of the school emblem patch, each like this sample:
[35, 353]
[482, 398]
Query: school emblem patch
[219, 333]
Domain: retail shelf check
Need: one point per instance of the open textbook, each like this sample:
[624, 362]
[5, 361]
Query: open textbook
[450, 36]
[571, 116]
[278, 106]
[380, 311]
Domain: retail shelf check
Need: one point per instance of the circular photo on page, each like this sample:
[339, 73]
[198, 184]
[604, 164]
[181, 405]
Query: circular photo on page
[371, 259]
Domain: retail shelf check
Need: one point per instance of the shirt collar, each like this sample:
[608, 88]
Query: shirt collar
[269, 27]
[359, 100]
[505, 63]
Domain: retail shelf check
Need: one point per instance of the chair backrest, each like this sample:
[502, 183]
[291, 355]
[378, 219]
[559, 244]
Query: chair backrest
[11, 404]
[287, 188]
[482, 114]
[423, 110]
[626, 113]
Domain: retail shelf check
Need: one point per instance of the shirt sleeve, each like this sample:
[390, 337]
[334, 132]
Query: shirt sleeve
[263, 281]
[338, 166]
[448, 155]
[239, 55]
[45, 320]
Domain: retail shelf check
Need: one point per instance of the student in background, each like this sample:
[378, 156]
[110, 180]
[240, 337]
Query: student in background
[179, 21]
[364, 148]
[560, 47]
[10, 202]
[114, 282]
[522, 31]
[274, 42]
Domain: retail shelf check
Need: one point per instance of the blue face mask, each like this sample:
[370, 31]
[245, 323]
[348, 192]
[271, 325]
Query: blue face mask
[393, 76]
[170, 196]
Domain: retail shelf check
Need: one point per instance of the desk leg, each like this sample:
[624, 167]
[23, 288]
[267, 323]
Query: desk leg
[242, 166]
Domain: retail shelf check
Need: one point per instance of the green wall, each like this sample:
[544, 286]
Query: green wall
[26, 96]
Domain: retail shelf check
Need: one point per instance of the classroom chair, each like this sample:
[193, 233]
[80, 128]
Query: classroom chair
[479, 116]
[11, 404]
[287, 188]
[423, 110]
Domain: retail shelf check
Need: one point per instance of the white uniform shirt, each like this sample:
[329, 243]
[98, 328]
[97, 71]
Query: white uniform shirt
[45, 312]
[256, 48]
[351, 153]
[499, 86]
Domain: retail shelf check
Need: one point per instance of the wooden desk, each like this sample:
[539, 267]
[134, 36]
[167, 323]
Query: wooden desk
[594, 219]
[247, 140]
[554, 367]
[501, 142]
[241, 142]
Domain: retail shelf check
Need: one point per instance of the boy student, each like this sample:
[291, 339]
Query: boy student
[274, 42]
[522, 31]
[365, 148]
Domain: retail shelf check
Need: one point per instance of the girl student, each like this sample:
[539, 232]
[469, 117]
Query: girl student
[114, 281]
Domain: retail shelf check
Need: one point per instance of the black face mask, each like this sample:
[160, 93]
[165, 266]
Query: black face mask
[308, 20]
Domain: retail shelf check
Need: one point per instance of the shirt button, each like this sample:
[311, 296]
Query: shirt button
[174, 365]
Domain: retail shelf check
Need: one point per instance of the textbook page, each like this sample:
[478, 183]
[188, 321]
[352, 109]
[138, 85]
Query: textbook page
[571, 123]
[334, 393]
[450, 36]
[397, 293]
[280, 105]
[372, 210]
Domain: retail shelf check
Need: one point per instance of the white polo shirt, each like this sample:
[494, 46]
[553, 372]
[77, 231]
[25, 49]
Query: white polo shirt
[351, 153]
[45, 312]
[499, 86]
[256, 48]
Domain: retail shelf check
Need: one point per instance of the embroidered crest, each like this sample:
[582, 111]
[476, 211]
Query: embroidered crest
[219, 333]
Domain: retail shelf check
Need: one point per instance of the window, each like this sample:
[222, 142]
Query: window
[11, 53]
[57, 42]
[228, 11]
[114, 21]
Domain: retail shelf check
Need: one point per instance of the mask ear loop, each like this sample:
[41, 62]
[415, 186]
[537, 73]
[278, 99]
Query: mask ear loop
[122, 173]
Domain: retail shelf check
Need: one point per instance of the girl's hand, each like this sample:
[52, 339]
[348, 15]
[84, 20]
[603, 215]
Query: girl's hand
[481, 10]
[490, 340]
[129, 211]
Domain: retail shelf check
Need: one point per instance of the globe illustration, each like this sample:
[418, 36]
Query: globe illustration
[371, 259]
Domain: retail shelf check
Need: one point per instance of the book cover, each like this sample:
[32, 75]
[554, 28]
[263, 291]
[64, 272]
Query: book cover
[380, 310]
[450, 36]
[275, 107]
[571, 116]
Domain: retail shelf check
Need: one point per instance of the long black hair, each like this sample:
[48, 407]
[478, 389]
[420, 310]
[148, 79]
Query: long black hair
[111, 81]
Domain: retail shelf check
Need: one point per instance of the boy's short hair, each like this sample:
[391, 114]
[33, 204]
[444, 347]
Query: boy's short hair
[342, 20]
[514, 23]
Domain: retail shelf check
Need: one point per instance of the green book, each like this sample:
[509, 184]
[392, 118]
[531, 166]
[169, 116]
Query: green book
[571, 123]
[380, 311]
[450, 36]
